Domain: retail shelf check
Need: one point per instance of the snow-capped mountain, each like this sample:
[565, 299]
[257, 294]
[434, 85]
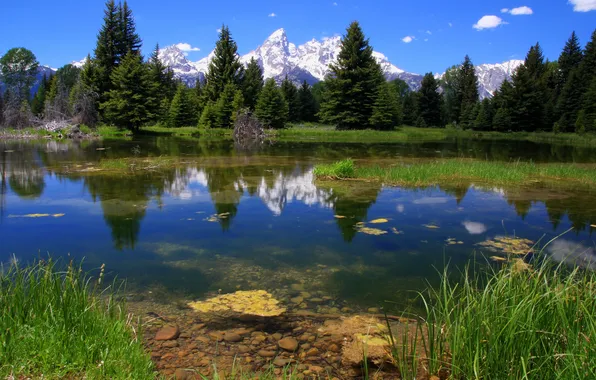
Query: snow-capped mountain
[490, 76]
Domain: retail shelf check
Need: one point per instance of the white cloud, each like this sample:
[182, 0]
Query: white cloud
[583, 5]
[218, 30]
[450, 24]
[475, 228]
[334, 4]
[408, 39]
[185, 47]
[271, 15]
[426, 40]
[519, 11]
[488, 22]
[429, 32]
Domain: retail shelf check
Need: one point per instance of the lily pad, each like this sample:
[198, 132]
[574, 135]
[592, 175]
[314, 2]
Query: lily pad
[431, 226]
[379, 221]
[371, 231]
[58, 215]
[508, 245]
[339, 216]
[243, 302]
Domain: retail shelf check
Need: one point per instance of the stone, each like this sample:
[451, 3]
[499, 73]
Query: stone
[170, 344]
[243, 349]
[204, 362]
[288, 344]
[373, 310]
[434, 378]
[316, 368]
[168, 333]
[232, 337]
[203, 339]
[277, 336]
[316, 300]
[297, 300]
[333, 347]
[312, 352]
[266, 354]
[181, 374]
[281, 362]
[297, 287]
[216, 336]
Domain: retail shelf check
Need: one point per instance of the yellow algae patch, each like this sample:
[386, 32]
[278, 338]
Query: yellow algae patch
[593, 225]
[509, 245]
[396, 231]
[497, 258]
[244, 302]
[431, 226]
[520, 266]
[371, 231]
[379, 221]
[58, 215]
[339, 216]
[36, 216]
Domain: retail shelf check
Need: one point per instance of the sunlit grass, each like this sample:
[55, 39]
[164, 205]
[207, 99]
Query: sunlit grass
[461, 170]
[60, 323]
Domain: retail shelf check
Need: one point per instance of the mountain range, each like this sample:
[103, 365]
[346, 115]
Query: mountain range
[310, 61]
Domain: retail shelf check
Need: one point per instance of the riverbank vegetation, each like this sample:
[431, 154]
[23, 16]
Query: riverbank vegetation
[59, 323]
[452, 171]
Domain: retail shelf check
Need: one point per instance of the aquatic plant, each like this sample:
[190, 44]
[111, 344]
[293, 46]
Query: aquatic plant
[248, 302]
[337, 170]
[58, 323]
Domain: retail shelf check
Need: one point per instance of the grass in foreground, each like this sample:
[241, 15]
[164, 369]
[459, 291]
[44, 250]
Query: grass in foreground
[461, 170]
[513, 324]
[55, 324]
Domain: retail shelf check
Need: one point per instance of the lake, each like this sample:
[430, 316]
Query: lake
[235, 219]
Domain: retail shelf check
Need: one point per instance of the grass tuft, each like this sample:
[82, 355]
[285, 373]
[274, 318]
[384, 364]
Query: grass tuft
[337, 170]
[57, 324]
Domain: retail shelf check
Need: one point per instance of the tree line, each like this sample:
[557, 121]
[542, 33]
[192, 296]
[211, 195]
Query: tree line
[117, 86]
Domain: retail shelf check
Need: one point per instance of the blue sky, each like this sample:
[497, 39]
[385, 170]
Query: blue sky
[441, 31]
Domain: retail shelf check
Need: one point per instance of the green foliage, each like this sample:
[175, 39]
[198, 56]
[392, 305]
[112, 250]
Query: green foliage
[420, 123]
[129, 103]
[337, 170]
[18, 68]
[1, 109]
[62, 324]
[272, 109]
[484, 119]
[290, 93]
[429, 101]
[410, 108]
[307, 104]
[502, 120]
[237, 106]
[163, 85]
[38, 101]
[252, 84]
[225, 67]
[128, 41]
[181, 112]
[352, 86]
[208, 117]
[226, 107]
[386, 111]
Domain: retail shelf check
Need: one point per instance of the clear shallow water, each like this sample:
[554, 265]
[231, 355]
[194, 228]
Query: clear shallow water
[277, 227]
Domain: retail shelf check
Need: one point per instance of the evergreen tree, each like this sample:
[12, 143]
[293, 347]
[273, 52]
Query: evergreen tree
[163, 85]
[429, 101]
[570, 85]
[450, 83]
[484, 119]
[181, 112]
[128, 39]
[237, 105]
[587, 72]
[39, 100]
[225, 67]
[502, 120]
[252, 84]
[570, 59]
[106, 50]
[208, 117]
[1, 109]
[290, 93]
[528, 111]
[386, 112]
[352, 86]
[589, 108]
[272, 109]
[224, 108]
[307, 103]
[84, 96]
[468, 88]
[410, 108]
[129, 102]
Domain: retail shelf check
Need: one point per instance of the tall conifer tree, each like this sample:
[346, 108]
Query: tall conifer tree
[386, 112]
[307, 103]
[429, 101]
[252, 84]
[352, 86]
[272, 109]
[225, 67]
[290, 93]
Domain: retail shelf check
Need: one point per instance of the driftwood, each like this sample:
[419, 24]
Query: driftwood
[248, 131]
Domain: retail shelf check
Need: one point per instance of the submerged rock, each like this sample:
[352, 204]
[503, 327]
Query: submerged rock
[168, 333]
[288, 344]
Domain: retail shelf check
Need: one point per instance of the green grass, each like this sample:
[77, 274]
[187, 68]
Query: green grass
[454, 171]
[56, 323]
[511, 324]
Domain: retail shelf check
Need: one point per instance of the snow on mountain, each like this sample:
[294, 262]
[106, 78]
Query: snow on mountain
[490, 76]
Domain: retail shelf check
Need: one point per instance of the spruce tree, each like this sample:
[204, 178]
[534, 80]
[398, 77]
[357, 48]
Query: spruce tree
[290, 93]
[224, 107]
[570, 85]
[307, 103]
[410, 108]
[39, 100]
[272, 109]
[484, 119]
[502, 120]
[208, 117]
[587, 72]
[225, 67]
[163, 85]
[106, 50]
[129, 102]
[468, 86]
[237, 106]
[181, 112]
[386, 112]
[252, 84]
[128, 39]
[429, 101]
[352, 86]
[570, 59]
[451, 85]
[589, 106]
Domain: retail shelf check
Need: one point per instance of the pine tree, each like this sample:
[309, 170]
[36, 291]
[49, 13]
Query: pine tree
[468, 86]
[569, 89]
[307, 103]
[39, 100]
[352, 86]
[181, 112]
[502, 120]
[237, 106]
[587, 72]
[429, 101]
[163, 85]
[589, 108]
[106, 50]
[225, 67]
[252, 84]
[451, 85]
[272, 109]
[208, 117]
[386, 113]
[128, 39]
[528, 111]
[290, 93]
[570, 59]
[224, 107]
[18, 67]
[410, 108]
[1, 109]
[129, 102]
[484, 119]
